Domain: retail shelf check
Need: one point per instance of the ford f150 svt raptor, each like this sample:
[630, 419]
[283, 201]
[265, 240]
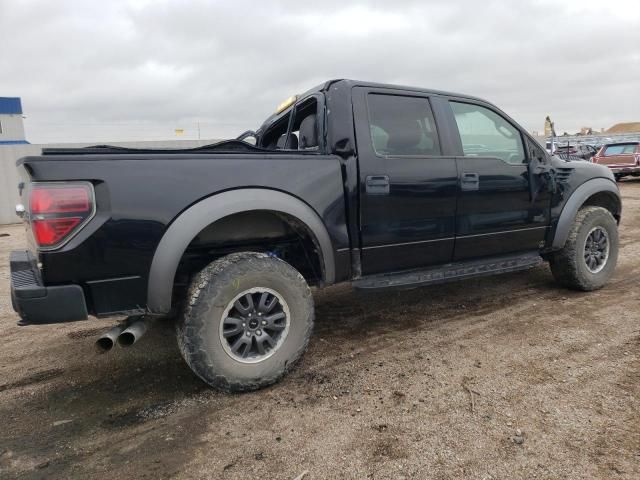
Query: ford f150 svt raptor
[379, 185]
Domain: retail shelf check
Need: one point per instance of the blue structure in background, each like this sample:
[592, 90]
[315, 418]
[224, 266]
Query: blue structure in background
[10, 108]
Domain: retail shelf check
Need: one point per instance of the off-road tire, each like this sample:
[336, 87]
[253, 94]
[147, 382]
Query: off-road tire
[210, 293]
[568, 265]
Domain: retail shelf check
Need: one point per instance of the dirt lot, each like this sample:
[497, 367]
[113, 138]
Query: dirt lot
[429, 383]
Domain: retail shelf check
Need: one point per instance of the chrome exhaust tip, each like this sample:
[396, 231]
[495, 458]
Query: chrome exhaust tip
[108, 340]
[133, 332]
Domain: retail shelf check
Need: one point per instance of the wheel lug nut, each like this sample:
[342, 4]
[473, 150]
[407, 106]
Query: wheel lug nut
[249, 314]
[248, 334]
[258, 332]
[244, 324]
[259, 314]
[264, 322]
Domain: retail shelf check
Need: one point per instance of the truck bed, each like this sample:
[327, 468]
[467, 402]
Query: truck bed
[140, 193]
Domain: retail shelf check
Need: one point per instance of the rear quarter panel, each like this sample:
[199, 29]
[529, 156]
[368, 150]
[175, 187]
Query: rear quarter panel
[138, 196]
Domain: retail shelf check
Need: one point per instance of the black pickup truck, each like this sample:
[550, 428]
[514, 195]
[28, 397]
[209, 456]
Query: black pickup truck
[382, 186]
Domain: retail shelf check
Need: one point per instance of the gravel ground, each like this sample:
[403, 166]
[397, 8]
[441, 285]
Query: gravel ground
[501, 377]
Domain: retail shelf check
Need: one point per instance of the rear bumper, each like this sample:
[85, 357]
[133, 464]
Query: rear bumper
[38, 304]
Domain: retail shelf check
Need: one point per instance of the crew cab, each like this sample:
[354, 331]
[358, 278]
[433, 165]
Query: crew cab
[379, 185]
[622, 158]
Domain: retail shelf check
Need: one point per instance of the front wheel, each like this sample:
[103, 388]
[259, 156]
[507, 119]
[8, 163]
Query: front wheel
[590, 254]
[247, 320]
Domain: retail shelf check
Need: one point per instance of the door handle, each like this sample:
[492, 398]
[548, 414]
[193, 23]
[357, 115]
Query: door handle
[377, 184]
[470, 182]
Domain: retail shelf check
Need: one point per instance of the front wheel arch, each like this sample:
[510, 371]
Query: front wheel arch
[601, 192]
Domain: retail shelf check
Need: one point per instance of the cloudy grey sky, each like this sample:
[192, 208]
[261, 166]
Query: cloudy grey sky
[138, 69]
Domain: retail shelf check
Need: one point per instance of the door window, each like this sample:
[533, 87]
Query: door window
[484, 133]
[402, 126]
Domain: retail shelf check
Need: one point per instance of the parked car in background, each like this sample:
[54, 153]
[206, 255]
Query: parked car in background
[586, 152]
[548, 145]
[622, 158]
[592, 149]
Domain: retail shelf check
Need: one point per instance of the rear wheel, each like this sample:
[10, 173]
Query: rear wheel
[247, 320]
[590, 254]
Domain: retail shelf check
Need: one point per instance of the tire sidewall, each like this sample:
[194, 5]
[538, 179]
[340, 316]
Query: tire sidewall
[606, 221]
[206, 314]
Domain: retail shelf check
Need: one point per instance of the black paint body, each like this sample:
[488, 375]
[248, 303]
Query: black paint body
[425, 218]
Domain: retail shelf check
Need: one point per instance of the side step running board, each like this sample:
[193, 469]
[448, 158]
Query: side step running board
[450, 272]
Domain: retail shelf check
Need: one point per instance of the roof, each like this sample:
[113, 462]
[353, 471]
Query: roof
[10, 105]
[359, 83]
[346, 83]
[430, 91]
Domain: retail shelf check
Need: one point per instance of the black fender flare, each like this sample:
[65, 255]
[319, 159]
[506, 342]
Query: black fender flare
[189, 223]
[575, 201]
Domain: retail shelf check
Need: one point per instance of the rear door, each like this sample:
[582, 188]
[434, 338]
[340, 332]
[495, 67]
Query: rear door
[501, 206]
[408, 181]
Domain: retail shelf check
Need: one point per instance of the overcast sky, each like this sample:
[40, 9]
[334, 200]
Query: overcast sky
[137, 69]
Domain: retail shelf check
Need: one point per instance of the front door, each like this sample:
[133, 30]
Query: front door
[498, 210]
[408, 182]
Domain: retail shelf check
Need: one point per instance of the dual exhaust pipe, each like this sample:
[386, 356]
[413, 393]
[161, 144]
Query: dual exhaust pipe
[125, 334]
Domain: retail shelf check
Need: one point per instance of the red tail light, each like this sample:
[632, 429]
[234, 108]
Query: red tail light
[53, 230]
[60, 200]
[58, 210]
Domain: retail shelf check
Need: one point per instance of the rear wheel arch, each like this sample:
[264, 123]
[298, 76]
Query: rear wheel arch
[600, 192]
[199, 216]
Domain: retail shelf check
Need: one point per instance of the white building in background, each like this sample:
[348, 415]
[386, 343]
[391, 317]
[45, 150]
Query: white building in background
[11, 121]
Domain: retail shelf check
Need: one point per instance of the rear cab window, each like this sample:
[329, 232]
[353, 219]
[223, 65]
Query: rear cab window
[305, 125]
[296, 129]
[275, 131]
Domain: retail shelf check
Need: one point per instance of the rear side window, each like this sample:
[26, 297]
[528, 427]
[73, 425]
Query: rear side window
[402, 126]
[484, 133]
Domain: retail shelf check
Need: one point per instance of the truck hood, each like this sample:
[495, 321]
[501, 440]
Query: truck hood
[583, 168]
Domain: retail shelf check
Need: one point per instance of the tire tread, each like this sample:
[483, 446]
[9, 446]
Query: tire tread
[564, 263]
[204, 290]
